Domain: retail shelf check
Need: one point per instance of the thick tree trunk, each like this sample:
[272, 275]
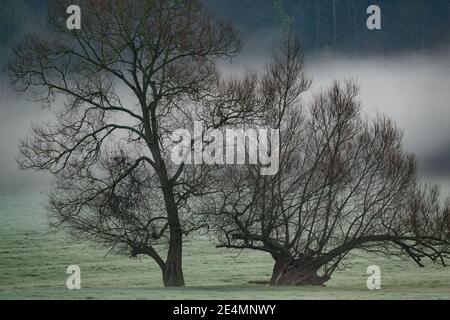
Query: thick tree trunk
[173, 274]
[173, 271]
[290, 272]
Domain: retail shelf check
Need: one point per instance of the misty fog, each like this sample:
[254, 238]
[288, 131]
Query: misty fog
[413, 89]
[16, 117]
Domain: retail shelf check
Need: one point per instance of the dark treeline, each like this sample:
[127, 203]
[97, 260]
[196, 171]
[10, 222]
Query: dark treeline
[341, 24]
[17, 17]
[320, 24]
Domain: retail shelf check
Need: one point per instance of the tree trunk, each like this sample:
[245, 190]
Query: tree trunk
[173, 274]
[173, 271]
[290, 272]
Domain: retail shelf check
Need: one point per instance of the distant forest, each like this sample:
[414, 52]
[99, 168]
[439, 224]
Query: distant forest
[320, 24]
[341, 24]
[18, 16]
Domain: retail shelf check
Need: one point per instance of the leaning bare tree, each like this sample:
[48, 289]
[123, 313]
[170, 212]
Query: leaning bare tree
[344, 185]
[136, 71]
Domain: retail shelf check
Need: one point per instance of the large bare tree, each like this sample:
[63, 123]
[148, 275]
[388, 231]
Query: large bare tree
[344, 185]
[136, 71]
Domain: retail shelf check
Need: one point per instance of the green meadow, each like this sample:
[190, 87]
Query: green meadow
[34, 259]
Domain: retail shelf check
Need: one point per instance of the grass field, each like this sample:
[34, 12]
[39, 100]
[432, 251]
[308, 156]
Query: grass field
[33, 262]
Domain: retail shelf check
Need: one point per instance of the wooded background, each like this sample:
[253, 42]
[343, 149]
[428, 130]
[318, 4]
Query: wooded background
[320, 24]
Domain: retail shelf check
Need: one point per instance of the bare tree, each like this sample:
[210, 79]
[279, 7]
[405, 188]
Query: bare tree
[137, 70]
[344, 185]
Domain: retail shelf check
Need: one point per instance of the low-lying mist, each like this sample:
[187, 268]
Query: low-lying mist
[413, 89]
